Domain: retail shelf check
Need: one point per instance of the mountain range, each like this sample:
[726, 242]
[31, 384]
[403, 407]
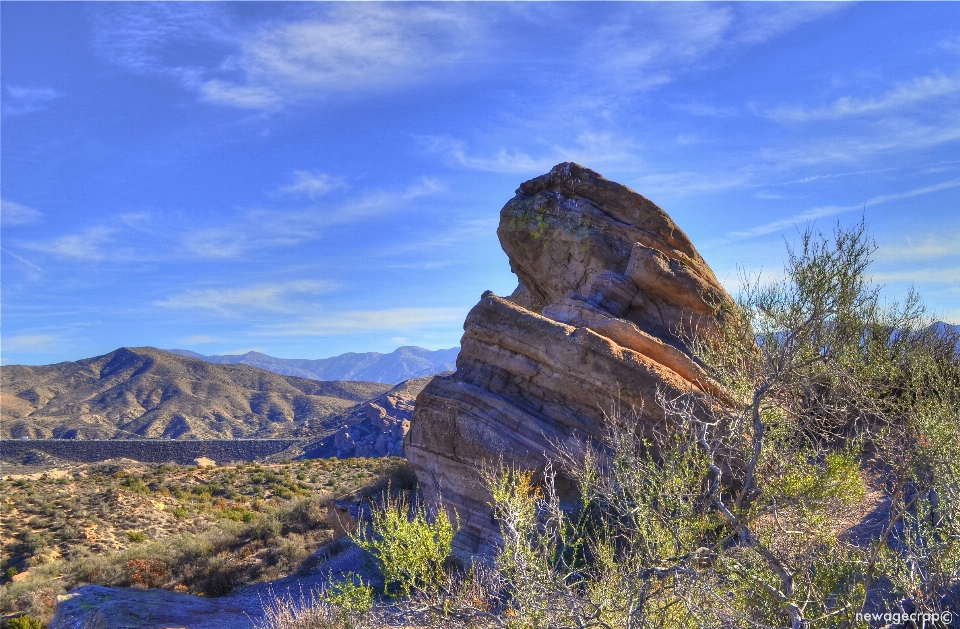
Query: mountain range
[401, 364]
[147, 392]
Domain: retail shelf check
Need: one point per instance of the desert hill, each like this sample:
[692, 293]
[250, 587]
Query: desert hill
[401, 364]
[146, 392]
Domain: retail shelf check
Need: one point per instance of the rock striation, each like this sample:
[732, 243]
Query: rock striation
[609, 288]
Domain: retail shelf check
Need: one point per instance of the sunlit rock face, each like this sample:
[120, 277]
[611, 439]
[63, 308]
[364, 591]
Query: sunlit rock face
[609, 288]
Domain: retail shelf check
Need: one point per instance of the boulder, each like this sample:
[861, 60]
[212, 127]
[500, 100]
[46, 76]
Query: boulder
[573, 230]
[610, 292]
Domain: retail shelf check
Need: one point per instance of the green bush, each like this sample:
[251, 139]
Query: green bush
[350, 598]
[136, 536]
[410, 550]
[24, 622]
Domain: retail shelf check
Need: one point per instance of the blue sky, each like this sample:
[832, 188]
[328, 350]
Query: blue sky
[311, 179]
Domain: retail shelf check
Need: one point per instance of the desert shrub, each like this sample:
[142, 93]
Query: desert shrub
[24, 622]
[147, 573]
[221, 575]
[267, 527]
[306, 514]
[290, 551]
[94, 569]
[409, 543]
[136, 484]
[136, 536]
[35, 596]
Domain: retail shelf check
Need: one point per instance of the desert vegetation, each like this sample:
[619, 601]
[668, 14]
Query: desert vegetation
[202, 530]
[814, 481]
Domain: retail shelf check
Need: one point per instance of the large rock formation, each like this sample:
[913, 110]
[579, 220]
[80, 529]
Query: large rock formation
[609, 289]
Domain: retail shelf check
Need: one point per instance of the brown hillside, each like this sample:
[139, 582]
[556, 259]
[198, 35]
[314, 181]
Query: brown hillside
[147, 392]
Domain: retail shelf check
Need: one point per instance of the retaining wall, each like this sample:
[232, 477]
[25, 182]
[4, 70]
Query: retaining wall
[151, 451]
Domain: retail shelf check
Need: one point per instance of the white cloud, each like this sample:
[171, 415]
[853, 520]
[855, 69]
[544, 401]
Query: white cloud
[26, 100]
[951, 44]
[645, 45]
[144, 36]
[709, 111]
[233, 301]
[831, 210]
[802, 217]
[352, 47]
[921, 276]
[324, 49]
[313, 185]
[22, 260]
[13, 214]
[241, 96]
[198, 339]
[676, 184]
[929, 247]
[898, 136]
[360, 321]
[31, 343]
[87, 245]
[902, 95]
[592, 149]
[266, 229]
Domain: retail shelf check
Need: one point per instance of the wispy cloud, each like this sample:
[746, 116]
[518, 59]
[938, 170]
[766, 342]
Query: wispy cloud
[596, 149]
[921, 276]
[802, 217]
[360, 321]
[351, 48]
[708, 111]
[924, 249]
[234, 301]
[22, 260]
[88, 245]
[645, 45]
[198, 339]
[13, 214]
[25, 100]
[902, 95]
[682, 183]
[324, 49]
[888, 136]
[313, 185]
[831, 210]
[951, 44]
[143, 37]
[266, 229]
[31, 343]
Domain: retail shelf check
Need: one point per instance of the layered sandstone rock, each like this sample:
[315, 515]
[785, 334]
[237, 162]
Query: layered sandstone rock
[609, 290]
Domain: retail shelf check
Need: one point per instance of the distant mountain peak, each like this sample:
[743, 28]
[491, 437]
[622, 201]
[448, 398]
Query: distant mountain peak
[403, 363]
